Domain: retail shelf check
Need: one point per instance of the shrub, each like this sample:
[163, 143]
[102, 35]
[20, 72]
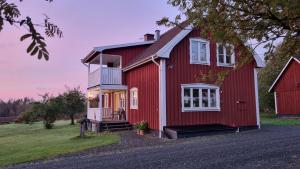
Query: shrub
[27, 117]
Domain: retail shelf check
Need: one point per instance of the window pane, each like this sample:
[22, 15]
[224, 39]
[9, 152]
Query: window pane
[204, 97]
[213, 98]
[194, 51]
[203, 52]
[195, 92]
[228, 54]
[187, 102]
[221, 53]
[187, 92]
[196, 102]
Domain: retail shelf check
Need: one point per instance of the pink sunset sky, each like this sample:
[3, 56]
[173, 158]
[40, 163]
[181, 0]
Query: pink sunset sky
[85, 24]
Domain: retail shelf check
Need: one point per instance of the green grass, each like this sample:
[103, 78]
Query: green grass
[23, 142]
[273, 120]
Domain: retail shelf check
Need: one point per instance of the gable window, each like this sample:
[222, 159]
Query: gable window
[225, 55]
[134, 98]
[200, 97]
[199, 51]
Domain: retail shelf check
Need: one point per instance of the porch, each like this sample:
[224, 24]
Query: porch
[107, 105]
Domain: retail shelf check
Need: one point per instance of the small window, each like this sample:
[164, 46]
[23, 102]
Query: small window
[199, 51]
[134, 98]
[200, 97]
[225, 55]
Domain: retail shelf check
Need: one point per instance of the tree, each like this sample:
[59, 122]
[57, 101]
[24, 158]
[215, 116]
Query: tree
[237, 22]
[10, 14]
[48, 109]
[74, 102]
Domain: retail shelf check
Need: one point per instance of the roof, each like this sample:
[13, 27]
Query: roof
[157, 45]
[294, 58]
[102, 48]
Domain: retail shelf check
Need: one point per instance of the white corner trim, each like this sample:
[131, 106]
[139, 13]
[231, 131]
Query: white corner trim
[286, 65]
[259, 61]
[165, 51]
[256, 98]
[275, 100]
[162, 96]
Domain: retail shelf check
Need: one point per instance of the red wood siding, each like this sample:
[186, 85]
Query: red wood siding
[238, 86]
[145, 78]
[127, 53]
[288, 91]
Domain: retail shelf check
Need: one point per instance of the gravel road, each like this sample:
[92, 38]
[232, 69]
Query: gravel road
[271, 147]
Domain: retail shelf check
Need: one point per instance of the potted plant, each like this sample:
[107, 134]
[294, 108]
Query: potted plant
[137, 126]
[143, 126]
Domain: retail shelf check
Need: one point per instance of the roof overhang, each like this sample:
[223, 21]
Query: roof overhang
[100, 49]
[282, 71]
[165, 51]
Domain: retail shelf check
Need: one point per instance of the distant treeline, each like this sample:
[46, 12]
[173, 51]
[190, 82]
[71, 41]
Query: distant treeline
[14, 107]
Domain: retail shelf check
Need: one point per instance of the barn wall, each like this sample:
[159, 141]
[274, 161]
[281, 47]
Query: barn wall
[238, 86]
[288, 91]
[145, 78]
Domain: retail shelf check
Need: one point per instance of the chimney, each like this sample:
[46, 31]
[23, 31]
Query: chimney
[148, 37]
[157, 34]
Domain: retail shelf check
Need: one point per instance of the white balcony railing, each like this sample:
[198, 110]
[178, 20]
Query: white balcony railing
[110, 76]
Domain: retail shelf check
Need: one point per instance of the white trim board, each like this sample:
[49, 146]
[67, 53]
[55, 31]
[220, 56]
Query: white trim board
[255, 72]
[282, 71]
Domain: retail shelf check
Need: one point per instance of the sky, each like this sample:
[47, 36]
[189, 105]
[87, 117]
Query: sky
[85, 24]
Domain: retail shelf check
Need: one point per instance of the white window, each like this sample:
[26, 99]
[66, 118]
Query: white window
[199, 51]
[134, 98]
[225, 55]
[200, 97]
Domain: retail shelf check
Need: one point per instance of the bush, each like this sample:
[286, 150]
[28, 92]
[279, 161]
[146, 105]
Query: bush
[27, 117]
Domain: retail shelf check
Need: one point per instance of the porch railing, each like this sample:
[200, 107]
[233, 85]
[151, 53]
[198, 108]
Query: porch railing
[107, 113]
[110, 76]
[94, 78]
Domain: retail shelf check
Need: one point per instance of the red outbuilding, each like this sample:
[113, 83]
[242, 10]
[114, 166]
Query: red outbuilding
[159, 81]
[286, 89]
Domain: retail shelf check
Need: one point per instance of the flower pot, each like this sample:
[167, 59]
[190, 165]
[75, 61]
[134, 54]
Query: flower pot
[138, 131]
[142, 132]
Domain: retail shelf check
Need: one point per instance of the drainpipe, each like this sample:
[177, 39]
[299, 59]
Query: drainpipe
[162, 93]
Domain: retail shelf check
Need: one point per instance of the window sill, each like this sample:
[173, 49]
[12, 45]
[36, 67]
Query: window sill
[199, 63]
[133, 108]
[226, 65]
[201, 110]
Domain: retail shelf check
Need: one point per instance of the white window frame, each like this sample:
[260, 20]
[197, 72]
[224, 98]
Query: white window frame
[132, 91]
[232, 57]
[200, 86]
[201, 40]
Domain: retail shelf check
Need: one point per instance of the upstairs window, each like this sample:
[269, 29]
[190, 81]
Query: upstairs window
[199, 51]
[225, 55]
[134, 98]
[200, 97]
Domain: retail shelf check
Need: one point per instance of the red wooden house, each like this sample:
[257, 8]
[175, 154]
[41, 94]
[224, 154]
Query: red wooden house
[156, 81]
[286, 89]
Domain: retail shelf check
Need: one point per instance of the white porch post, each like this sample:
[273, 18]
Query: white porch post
[100, 92]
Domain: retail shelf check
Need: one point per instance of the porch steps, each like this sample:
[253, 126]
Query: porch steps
[115, 126]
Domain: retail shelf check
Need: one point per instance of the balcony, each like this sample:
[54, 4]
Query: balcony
[108, 76]
[107, 70]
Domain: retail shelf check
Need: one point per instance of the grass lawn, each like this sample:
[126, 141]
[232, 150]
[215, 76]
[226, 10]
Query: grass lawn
[273, 120]
[23, 142]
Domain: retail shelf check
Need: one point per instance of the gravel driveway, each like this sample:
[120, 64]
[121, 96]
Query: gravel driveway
[271, 147]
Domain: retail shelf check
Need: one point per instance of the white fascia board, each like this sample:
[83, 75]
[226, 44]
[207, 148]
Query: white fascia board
[165, 51]
[102, 48]
[286, 65]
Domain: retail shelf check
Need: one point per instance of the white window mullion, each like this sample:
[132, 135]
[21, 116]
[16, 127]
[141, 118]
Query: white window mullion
[200, 98]
[208, 97]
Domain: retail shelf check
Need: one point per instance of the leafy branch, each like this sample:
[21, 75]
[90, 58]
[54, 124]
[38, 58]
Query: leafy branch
[10, 13]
